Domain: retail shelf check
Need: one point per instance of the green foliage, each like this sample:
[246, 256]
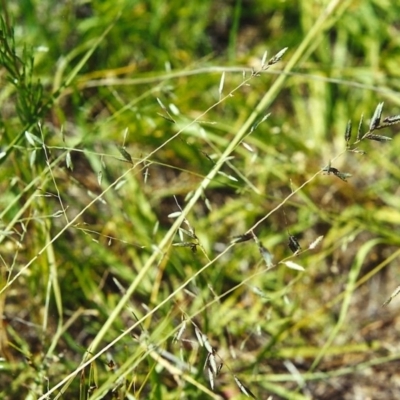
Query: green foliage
[185, 215]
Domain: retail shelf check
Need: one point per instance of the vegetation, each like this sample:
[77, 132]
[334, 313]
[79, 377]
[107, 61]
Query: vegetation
[199, 199]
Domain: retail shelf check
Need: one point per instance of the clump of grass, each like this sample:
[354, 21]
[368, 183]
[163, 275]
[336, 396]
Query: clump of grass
[155, 263]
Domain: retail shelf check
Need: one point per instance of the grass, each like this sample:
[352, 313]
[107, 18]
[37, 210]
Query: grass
[156, 164]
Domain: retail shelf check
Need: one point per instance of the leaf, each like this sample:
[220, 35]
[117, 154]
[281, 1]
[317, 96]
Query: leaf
[376, 118]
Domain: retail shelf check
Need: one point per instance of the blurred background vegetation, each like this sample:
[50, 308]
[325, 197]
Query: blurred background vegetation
[79, 80]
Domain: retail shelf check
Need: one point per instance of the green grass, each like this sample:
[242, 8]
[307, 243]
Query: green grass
[142, 143]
